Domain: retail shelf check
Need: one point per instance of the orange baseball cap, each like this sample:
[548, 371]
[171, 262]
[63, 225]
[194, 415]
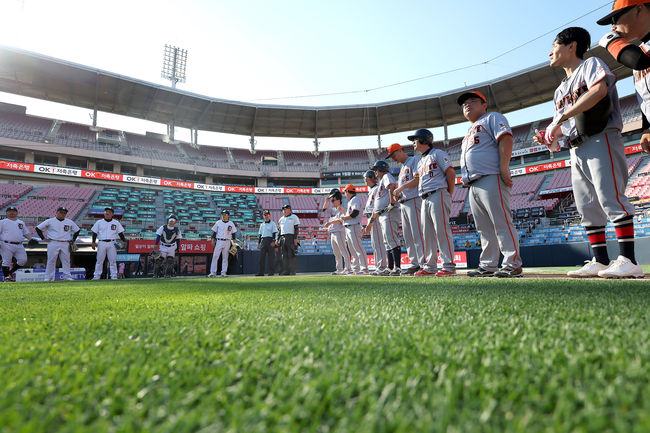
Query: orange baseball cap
[474, 93]
[393, 148]
[350, 188]
[618, 9]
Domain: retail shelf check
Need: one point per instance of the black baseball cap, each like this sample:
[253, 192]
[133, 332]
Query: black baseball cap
[62, 208]
[286, 206]
[11, 208]
[225, 212]
[109, 208]
[266, 212]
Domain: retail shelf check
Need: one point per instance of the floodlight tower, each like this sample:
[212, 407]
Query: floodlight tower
[173, 69]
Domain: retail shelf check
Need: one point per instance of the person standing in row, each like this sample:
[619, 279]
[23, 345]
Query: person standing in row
[61, 233]
[289, 225]
[410, 202]
[223, 233]
[485, 168]
[107, 230]
[376, 236]
[12, 233]
[336, 232]
[351, 221]
[267, 237]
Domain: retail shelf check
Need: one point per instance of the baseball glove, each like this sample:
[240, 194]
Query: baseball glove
[73, 247]
[233, 248]
[155, 254]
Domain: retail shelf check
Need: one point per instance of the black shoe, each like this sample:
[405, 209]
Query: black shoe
[285, 273]
[508, 272]
[410, 271]
[259, 275]
[270, 275]
[480, 272]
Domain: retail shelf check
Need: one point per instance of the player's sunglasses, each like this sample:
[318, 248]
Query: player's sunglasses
[618, 16]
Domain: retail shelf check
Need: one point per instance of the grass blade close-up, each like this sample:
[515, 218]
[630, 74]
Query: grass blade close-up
[320, 354]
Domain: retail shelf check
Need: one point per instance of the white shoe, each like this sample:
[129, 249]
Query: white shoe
[622, 267]
[212, 275]
[68, 279]
[590, 269]
[96, 278]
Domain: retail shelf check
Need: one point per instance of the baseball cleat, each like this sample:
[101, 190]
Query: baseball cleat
[96, 278]
[362, 273]
[445, 273]
[508, 272]
[212, 275]
[395, 273]
[480, 272]
[622, 267]
[9, 279]
[423, 273]
[411, 271]
[590, 269]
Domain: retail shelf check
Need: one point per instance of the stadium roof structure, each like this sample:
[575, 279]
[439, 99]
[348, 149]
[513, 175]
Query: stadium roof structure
[46, 78]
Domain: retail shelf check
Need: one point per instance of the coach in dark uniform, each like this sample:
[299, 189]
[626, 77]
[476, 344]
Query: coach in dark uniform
[288, 225]
[266, 242]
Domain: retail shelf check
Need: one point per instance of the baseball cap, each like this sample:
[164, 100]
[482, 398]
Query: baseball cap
[392, 149]
[350, 188]
[619, 8]
[225, 212]
[266, 212]
[109, 208]
[286, 206]
[62, 208]
[172, 217]
[474, 93]
[11, 208]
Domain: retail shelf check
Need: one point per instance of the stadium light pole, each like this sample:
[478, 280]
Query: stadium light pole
[173, 69]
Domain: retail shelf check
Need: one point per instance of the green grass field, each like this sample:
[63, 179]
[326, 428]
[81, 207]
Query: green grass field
[321, 354]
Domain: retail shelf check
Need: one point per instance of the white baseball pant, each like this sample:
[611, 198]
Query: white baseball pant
[389, 223]
[377, 242]
[10, 251]
[106, 250]
[220, 248]
[437, 231]
[412, 231]
[166, 251]
[61, 250]
[340, 251]
[359, 259]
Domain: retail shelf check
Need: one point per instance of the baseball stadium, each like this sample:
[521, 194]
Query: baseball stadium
[315, 347]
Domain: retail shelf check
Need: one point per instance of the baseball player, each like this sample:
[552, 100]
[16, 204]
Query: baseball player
[336, 232]
[588, 115]
[107, 230]
[351, 219]
[485, 156]
[630, 20]
[268, 234]
[288, 224]
[168, 240]
[376, 235]
[61, 234]
[386, 212]
[12, 233]
[410, 204]
[223, 233]
[435, 179]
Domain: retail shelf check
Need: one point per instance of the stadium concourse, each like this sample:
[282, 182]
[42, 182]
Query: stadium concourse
[46, 163]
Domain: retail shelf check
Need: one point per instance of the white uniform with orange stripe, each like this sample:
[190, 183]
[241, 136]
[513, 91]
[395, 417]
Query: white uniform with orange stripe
[489, 197]
[358, 257]
[598, 166]
[436, 207]
[376, 237]
[389, 221]
[411, 205]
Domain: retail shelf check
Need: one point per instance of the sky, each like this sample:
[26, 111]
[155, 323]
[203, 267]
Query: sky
[275, 52]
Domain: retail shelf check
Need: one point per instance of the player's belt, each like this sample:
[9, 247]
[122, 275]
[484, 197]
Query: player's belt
[386, 209]
[577, 141]
[167, 245]
[57, 240]
[221, 239]
[348, 225]
[427, 194]
[404, 200]
[106, 240]
[473, 180]
[13, 243]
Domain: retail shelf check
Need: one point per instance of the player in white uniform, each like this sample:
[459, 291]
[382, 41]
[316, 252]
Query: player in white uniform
[223, 233]
[168, 240]
[376, 234]
[61, 233]
[12, 233]
[435, 178]
[484, 163]
[336, 231]
[386, 213]
[351, 221]
[588, 113]
[106, 230]
[410, 204]
[288, 226]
